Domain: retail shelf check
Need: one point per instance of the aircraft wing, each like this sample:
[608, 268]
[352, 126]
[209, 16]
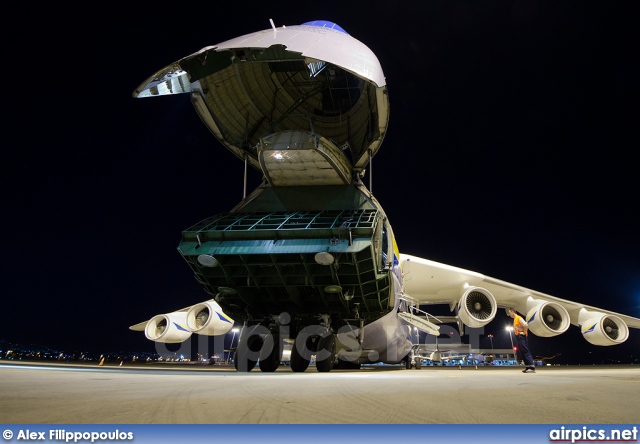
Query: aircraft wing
[139, 327]
[476, 297]
[142, 325]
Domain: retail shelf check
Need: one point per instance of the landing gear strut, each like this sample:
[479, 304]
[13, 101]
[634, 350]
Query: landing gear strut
[413, 360]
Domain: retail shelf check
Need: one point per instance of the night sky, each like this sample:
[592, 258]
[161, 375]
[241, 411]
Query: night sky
[511, 151]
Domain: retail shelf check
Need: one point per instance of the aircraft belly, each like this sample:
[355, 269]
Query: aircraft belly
[385, 340]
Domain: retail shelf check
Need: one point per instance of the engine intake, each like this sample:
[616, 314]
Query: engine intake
[603, 329]
[170, 328]
[547, 319]
[477, 307]
[207, 318]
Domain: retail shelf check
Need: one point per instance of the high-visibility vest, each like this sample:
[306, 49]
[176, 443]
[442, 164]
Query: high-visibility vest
[517, 327]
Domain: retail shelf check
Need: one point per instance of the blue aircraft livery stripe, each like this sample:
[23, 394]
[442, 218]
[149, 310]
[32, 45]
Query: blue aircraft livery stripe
[532, 317]
[589, 330]
[180, 327]
[224, 317]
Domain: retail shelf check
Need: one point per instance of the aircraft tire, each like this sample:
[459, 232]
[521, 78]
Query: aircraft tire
[418, 363]
[407, 363]
[271, 361]
[298, 362]
[246, 347]
[326, 343]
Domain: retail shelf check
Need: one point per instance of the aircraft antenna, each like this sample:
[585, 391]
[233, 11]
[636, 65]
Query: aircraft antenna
[272, 25]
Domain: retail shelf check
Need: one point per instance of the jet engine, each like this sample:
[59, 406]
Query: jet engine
[602, 329]
[547, 319]
[477, 307]
[170, 328]
[207, 318]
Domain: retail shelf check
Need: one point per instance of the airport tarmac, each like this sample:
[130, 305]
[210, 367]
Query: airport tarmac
[36, 393]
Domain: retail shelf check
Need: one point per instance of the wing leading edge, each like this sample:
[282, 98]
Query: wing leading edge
[476, 297]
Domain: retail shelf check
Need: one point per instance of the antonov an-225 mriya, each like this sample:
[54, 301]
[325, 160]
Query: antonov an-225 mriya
[311, 248]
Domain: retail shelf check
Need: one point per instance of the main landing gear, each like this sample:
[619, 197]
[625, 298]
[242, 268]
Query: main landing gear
[265, 345]
[258, 344]
[413, 361]
[319, 342]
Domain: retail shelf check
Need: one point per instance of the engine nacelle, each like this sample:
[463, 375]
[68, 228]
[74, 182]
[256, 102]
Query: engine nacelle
[207, 318]
[477, 307]
[170, 328]
[547, 319]
[603, 329]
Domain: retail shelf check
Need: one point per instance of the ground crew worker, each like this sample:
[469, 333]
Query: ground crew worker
[521, 329]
